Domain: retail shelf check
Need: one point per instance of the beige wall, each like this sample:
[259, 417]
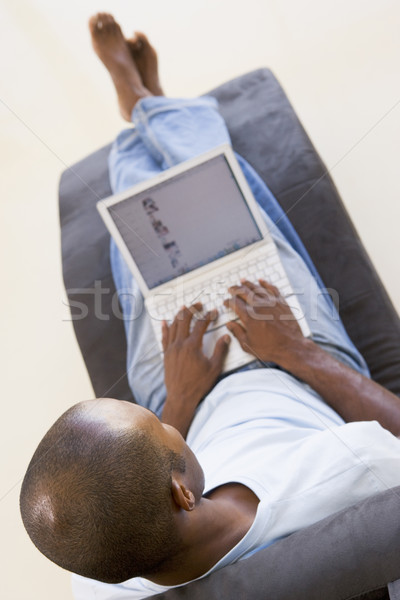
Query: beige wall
[337, 59]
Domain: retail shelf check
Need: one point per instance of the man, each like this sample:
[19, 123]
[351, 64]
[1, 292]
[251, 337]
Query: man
[113, 492]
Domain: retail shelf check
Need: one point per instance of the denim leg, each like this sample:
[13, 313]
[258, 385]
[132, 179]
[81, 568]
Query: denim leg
[167, 132]
[270, 205]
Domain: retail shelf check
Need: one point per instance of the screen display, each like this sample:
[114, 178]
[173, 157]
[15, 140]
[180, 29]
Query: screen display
[185, 222]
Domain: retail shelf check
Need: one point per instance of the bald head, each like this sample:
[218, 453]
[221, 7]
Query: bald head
[96, 498]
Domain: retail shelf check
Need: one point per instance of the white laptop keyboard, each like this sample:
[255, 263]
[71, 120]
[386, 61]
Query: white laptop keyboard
[213, 290]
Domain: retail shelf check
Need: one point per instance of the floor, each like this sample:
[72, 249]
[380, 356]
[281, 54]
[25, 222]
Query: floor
[337, 60]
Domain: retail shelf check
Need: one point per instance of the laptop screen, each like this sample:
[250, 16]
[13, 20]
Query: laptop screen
[185, 222]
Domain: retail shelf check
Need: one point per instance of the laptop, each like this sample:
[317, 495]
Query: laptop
[191, 232]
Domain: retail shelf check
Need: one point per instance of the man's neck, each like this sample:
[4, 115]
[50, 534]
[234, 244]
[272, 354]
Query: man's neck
[218, 523]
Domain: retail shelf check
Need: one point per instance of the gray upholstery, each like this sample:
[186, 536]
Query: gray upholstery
[348, 554]
[344, 555]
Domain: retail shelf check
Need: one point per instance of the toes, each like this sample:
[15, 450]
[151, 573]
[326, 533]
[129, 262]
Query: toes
[134, 44]
[103, 23]
[97, 23]
[142, 36]
[139, 43]
[110, 25]
[109, 22]
[144, 42]
[93, 22]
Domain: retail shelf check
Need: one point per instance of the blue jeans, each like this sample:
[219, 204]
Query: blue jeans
[166, 132]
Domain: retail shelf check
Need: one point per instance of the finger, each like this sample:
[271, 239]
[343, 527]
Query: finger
[249, 284]
[196, 308]
[258, 289]
[173, 328]
[165, 335]
[238, 331]
[201, 326]
[220, 352]
[238, 306]
[243, 292]
[184, 318]
[184, 326]
[241, 335]
[249, 292]
[181, 324]
[269, 287]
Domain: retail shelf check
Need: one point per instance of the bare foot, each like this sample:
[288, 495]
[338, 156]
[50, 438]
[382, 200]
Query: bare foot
[145, 58]
[112, 49]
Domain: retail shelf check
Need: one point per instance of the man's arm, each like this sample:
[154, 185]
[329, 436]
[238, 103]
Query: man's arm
[269, 332]
[189, 375]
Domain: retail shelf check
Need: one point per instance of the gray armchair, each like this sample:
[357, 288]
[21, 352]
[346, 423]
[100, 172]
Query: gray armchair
[352, 554]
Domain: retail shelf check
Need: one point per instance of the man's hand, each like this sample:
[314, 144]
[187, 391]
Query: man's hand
[268, 329]
[188, 373]
[270, 332]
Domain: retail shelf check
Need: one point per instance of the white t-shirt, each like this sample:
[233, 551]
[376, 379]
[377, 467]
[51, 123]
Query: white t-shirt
[274, 434]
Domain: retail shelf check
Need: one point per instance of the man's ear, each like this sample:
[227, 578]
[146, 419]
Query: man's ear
[183, 497]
